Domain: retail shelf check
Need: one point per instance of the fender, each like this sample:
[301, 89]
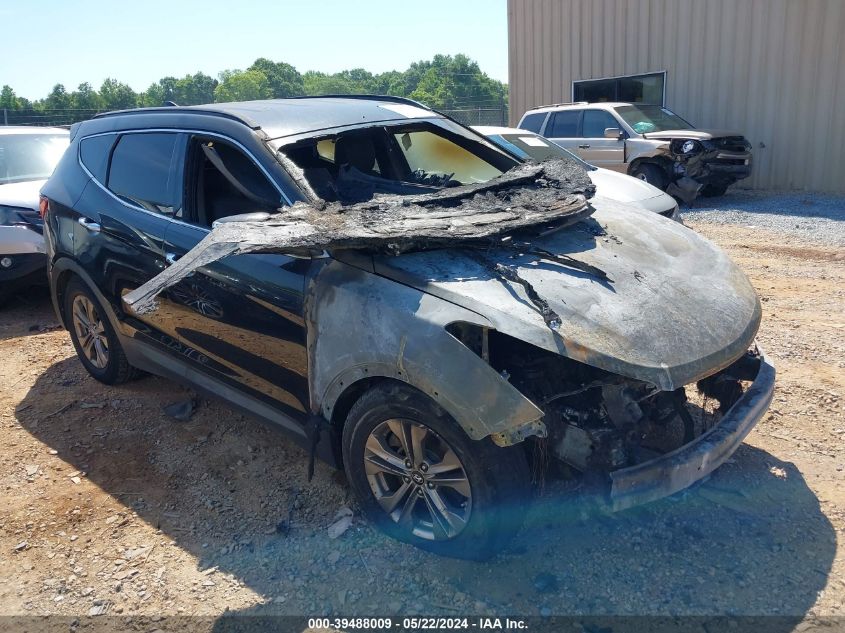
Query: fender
[361, 325]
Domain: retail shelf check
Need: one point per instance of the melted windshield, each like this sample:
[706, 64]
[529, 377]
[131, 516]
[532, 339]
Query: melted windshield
[403, 159]
[26, 157]
[652, 118]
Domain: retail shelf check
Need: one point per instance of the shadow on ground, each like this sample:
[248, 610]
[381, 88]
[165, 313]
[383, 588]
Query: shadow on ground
[751, 541]
[27, 312]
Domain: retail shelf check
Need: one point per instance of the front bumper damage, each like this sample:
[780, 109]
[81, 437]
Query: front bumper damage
[675, 471]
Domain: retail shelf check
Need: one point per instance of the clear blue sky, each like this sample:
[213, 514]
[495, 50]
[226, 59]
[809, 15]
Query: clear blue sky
[71, 41]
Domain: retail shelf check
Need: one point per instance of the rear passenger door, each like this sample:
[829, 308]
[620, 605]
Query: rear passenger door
[562, 127]
[594, 148]
[125, 210]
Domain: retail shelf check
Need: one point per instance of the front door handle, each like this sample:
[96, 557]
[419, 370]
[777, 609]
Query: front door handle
[89, 224]
[583, 147]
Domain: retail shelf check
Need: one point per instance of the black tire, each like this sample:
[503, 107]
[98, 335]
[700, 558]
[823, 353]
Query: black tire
[652, 174]
[714, 191]
[116, 369]
[499, 478]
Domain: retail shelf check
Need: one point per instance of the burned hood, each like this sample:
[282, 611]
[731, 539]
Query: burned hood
[672, 309]
[699, 135]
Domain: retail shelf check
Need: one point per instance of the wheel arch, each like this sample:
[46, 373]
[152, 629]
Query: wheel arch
[662, 162]
[62, 272]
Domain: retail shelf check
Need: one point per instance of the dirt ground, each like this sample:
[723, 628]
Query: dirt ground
[109, 506]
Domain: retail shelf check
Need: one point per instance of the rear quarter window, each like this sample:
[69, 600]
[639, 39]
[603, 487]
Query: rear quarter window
[533, 122]
[94, 153]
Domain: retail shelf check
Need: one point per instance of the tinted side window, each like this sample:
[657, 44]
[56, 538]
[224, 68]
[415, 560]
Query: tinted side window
[533, 122]
[143, 171]
[94, 154]
[595, 122]
[563, 124]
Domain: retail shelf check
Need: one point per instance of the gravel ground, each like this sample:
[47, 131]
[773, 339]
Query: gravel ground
[815, 217]
[111, 507]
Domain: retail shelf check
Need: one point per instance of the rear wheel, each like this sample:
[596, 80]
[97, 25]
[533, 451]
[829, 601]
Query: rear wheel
[419, 477]
[94, 338]
[652, 174]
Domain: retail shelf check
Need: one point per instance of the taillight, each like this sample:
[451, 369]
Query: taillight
[43, 206]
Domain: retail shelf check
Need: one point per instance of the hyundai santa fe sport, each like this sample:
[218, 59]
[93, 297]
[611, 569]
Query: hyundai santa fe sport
[446, 323]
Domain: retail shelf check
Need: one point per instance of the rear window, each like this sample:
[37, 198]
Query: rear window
[533, 122]
[142, 171]
[563, 124]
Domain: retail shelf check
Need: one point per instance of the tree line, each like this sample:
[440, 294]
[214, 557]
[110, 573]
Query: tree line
[445, 82]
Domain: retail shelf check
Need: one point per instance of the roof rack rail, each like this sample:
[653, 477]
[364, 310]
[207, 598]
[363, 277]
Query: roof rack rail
[365, 97]
[555, 105]
[169, 110]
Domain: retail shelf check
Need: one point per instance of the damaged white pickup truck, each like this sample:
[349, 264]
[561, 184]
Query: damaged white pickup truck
[409, 302]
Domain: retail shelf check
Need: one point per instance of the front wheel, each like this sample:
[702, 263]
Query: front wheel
[652, 174]
[417, 476]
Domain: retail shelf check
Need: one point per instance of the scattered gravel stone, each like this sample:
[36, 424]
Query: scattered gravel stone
[810, 216]
[181, 410]
[545, 582]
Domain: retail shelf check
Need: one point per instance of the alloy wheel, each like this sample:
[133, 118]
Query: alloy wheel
[418, 479]
[90, 332]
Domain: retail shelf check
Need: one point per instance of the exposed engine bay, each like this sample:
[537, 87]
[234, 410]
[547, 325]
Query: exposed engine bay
[599, 422]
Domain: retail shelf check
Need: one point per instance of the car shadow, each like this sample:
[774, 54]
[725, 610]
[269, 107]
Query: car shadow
[28, 311]
[233, 493]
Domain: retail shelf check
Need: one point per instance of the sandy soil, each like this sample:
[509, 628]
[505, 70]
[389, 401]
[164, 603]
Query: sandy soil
[109, 506]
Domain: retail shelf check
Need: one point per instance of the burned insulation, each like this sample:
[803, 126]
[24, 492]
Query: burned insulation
[550, 193]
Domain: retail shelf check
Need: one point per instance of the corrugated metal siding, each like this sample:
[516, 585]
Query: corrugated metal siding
[771, 69]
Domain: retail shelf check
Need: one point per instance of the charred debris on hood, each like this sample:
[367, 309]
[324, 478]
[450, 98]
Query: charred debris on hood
[539, 197]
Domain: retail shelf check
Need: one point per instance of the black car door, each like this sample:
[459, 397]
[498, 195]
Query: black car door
[243, 313]
[124, 212]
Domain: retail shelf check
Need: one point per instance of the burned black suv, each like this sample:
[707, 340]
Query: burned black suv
[408, 301]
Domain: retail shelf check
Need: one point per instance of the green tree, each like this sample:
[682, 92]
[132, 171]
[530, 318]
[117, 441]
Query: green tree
[85, 98]
[193, 89]
[8, 100]
[284, 79]
[58, 99]
[152, 97]
[117, 96]
[453, 82]
[242, 85]
[317, 83]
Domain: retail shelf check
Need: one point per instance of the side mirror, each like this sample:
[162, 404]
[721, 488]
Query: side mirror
[614, 132]
[257, 216]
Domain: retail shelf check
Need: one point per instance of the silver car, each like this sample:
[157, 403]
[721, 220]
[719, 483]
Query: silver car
[28, 156]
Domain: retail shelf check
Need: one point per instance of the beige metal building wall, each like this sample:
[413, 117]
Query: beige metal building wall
[771, 69]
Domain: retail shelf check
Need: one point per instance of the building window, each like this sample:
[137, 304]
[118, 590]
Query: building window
[647, 88]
